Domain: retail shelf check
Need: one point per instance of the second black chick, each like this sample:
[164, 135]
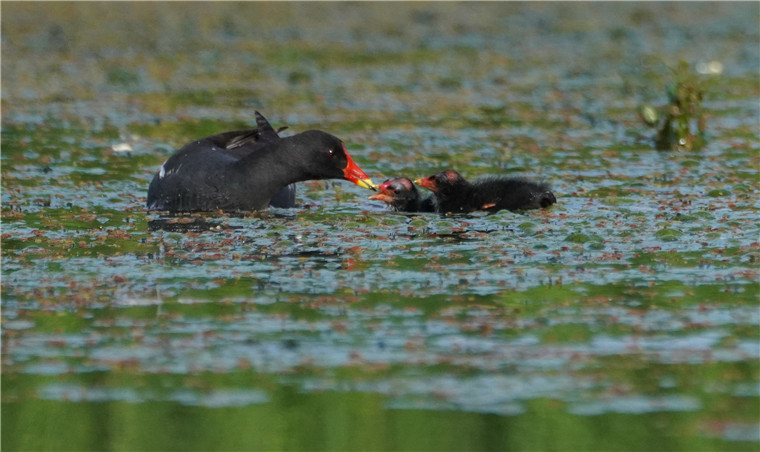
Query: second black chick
[453, 193]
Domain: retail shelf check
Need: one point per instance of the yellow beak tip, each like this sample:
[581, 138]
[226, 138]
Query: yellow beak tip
[367, 183]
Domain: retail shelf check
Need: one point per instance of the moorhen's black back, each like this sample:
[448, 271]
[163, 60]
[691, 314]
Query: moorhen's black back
[198, 176]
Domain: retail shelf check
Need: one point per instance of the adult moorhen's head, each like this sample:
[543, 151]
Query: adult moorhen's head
[324, 156]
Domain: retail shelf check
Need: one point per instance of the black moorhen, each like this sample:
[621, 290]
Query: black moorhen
[248, 170]
[402, 196]
[453, 193]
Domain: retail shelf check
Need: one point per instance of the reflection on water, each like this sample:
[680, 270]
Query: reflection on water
[187, 225]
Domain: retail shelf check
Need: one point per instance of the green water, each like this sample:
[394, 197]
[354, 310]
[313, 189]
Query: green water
[625, 317]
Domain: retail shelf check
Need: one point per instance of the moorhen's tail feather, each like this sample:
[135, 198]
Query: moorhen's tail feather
[263, 132]
[265, 129]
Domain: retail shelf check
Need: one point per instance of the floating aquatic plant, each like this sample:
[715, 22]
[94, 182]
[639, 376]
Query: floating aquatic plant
[681, 123]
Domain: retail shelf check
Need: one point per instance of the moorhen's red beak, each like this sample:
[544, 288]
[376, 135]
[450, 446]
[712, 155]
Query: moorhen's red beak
[383, 195]
[353, 173]
[427, 182]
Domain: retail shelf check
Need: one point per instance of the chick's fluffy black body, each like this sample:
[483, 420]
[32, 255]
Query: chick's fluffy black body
[454, 194]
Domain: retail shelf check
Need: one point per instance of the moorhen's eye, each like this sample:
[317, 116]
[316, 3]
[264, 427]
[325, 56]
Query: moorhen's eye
[331, 153]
